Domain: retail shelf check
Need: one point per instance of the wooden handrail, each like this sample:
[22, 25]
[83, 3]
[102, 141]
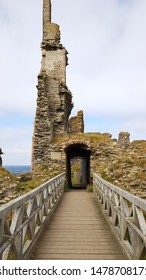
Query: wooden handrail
[23, 219]
[126, 215]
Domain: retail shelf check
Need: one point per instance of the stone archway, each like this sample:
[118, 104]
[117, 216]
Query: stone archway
[81, 153]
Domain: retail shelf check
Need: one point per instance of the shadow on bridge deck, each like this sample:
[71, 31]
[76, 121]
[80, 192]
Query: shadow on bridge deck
[77, 231]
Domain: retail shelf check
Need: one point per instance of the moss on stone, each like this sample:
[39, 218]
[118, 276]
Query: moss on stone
[91, 137]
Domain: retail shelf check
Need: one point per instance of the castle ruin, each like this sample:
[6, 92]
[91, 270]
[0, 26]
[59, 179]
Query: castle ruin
[54, 101]
[59, 141]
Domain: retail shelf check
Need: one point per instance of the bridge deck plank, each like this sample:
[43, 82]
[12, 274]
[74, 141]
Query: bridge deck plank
[77, 231]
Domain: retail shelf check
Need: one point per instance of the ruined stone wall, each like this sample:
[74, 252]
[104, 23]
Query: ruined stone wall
[43, 124]
[56, 63]
[52, 33]
[76, 124]
[52, 113]
[54, 100]
[46, 16]
[125, 168]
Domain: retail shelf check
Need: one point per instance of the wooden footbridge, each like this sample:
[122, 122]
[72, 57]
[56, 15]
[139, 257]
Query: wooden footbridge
[47, 223]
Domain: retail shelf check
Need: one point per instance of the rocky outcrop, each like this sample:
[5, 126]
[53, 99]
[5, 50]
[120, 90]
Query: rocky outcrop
[7, 186]
[124, 139]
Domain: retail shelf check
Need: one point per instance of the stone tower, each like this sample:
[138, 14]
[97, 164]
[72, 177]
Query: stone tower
[54, 100]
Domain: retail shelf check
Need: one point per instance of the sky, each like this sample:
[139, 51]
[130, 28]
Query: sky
[106, 43]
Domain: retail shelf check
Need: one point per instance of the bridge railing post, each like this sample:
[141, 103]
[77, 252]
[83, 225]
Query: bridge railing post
[23, 219]
[126, 215]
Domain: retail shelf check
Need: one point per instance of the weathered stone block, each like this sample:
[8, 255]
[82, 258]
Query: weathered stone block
[55, 155]
[124, 139]
[76, 124]
[52, 33]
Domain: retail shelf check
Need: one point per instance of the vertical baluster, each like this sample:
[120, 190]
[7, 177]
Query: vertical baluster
[17, 220]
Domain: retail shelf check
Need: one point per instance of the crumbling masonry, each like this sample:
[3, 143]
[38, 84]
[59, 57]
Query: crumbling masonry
[54, 101]
[58, 141]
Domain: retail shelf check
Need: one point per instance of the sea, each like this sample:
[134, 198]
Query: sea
[17, 169]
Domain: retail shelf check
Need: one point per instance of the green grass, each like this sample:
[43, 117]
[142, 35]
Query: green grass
[75, 182]
[6, 174]
[106, 177]
[92, 137]
[90, 189]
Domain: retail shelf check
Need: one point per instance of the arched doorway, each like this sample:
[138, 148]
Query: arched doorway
[77, 165]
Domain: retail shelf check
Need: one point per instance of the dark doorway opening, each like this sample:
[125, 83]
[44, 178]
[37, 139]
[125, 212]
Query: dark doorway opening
[77, 165]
